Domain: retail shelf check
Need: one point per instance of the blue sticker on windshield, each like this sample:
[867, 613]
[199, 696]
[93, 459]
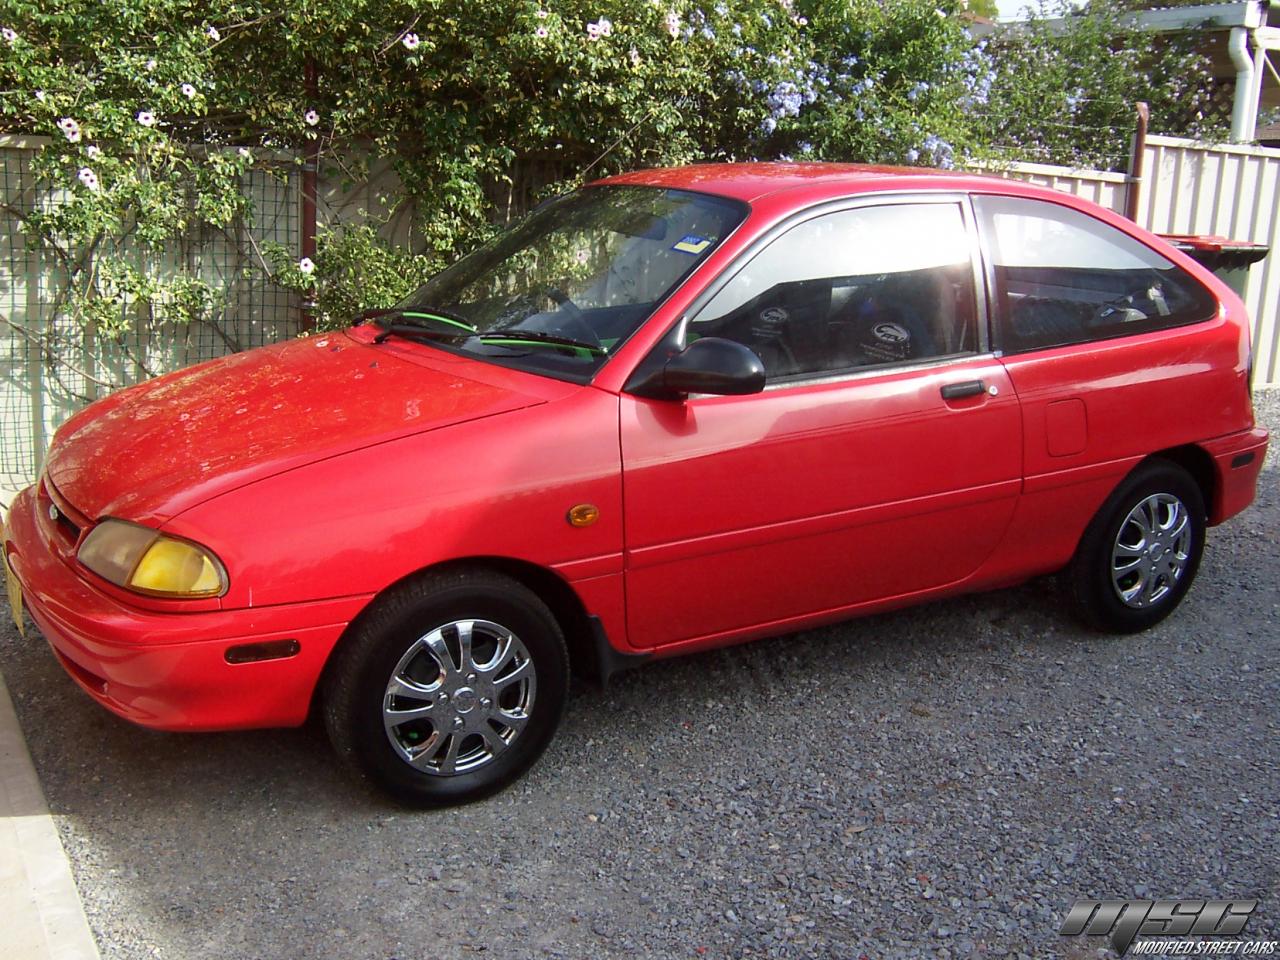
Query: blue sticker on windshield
[691, 244]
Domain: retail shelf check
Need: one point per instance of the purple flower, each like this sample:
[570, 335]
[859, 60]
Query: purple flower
[410, 41]
[541, 32]
[9, 35]
[88, 178]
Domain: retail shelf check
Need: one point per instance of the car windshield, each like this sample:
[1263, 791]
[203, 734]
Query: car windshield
[561, 290]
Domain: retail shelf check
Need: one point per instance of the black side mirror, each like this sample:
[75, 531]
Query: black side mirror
[710, 365]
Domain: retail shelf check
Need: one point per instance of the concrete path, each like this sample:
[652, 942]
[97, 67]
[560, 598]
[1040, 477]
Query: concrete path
[43, 918]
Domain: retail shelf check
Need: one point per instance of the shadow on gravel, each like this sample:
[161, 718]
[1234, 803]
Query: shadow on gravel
[83, 751]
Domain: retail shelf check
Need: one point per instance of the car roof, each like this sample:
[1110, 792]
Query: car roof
[752, 181]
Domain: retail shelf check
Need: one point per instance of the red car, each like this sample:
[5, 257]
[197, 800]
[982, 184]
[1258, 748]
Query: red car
[674, 410]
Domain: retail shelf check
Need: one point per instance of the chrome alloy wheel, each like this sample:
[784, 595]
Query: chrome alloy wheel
[459, 697]
[1151, 551]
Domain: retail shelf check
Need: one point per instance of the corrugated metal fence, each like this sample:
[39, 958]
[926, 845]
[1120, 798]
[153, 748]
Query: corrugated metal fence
[1191, 187]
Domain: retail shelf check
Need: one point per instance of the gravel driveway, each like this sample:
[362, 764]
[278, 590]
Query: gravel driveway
[936, 783]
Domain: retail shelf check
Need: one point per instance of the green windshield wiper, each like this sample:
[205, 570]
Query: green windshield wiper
[388, 323]
[517, 337]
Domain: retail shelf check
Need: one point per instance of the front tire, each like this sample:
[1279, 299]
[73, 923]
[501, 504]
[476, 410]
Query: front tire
[1140, 554]
[449, 688]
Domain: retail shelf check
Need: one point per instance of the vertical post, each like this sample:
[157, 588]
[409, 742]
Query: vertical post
[1137, 160]
[1244, 107]
[310, 168]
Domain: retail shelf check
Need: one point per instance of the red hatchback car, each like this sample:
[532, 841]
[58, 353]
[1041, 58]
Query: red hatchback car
[674, 410]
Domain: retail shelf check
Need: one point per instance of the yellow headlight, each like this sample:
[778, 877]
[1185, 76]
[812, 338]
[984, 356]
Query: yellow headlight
[140, 559]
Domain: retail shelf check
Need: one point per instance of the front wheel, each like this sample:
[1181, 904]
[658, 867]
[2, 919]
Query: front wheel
[1138, 557]
[449, 688]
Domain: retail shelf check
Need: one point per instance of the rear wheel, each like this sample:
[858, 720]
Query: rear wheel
[1140, 554]
[449, 689]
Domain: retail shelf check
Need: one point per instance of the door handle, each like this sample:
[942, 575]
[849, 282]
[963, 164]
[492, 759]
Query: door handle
[969, 388]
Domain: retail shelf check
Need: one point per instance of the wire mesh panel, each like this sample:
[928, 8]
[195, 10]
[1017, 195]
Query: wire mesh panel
[52, 364]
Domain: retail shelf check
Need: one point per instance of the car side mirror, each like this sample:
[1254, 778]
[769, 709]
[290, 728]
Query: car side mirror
[709, 365]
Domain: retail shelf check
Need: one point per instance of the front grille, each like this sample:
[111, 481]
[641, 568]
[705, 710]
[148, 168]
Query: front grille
[69, 527]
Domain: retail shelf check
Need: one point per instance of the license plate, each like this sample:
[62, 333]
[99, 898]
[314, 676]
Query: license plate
[12, 589]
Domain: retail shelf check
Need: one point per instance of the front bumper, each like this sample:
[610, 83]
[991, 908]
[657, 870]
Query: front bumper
[166, 670]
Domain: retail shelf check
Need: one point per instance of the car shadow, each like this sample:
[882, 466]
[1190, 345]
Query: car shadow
[84, 753]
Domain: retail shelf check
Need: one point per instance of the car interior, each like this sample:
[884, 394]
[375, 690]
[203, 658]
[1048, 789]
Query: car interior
[830, 324]
[1061, 305]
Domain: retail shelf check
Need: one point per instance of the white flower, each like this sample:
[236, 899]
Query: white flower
[40, 95]
[410, 41]
[940, 13]
[606, 27]
[70, 129]
[88, 178]
[673, 24]
[593, 31]
[542, 14]
[188, 91]
[146, 118]
[582, 256]
[306, 266]
[9, 35]
[213, 34]
[634, 54]
[93, 152]
[245, 153]
[311, 117]
[541, 32]
[150, 65]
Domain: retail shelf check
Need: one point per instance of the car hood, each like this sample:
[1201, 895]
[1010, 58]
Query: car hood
[151, 451]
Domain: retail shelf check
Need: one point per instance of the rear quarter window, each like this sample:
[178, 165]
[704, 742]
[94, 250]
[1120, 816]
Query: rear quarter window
[1063, 277]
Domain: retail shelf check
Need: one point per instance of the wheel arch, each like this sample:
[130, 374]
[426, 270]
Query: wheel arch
[1197, 462]
[581, 631]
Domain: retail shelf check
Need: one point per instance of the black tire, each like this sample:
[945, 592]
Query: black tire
[388, 639]
[1097, 591]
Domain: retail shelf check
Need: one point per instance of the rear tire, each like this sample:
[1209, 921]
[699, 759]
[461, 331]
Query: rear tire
[1140, 554]
[449, 688]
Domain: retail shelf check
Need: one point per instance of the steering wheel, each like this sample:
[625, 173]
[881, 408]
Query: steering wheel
[573, 323]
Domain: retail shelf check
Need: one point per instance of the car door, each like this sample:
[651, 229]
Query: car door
[881, 461]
